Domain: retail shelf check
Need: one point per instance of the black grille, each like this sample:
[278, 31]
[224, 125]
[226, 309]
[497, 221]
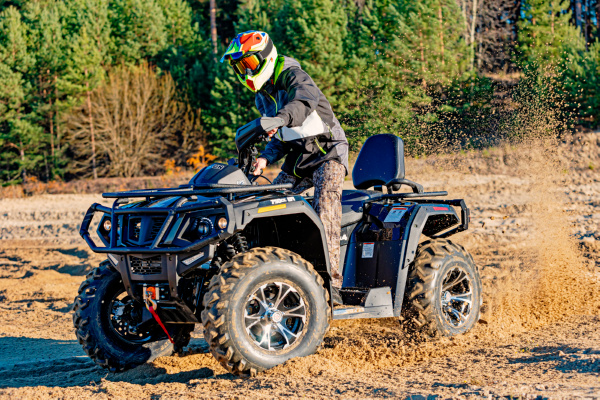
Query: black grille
[146, 266]
[144, 229]
[157, 223]
[136, 225]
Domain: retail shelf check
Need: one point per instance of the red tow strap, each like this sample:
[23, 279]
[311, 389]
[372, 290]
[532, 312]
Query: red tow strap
[157, 318]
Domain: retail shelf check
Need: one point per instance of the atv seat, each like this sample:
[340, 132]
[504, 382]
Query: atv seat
[352, 204]
[381, 163]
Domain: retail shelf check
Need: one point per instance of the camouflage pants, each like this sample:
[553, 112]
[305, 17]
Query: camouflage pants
[328, 181]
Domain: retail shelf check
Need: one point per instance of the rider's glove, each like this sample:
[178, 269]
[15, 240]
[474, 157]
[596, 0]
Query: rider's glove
[270, 123]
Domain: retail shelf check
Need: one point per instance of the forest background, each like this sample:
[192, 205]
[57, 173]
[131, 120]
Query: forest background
[101, 88]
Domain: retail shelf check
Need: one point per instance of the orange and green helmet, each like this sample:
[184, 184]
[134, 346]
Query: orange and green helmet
[252, 56]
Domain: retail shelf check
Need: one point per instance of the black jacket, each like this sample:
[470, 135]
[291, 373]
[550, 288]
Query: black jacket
[312, 134]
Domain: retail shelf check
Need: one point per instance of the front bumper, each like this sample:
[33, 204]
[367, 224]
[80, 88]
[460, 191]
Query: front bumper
[158, 245]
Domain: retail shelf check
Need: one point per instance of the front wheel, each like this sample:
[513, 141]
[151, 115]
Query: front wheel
[267, 305]
[109, 324]
[443, 294]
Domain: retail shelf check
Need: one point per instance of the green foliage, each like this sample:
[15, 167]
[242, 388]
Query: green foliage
[581, 84]
[545, 32]
[313, 32]
[228, 110]
[398, 66]
[138, 29]
[257, 15]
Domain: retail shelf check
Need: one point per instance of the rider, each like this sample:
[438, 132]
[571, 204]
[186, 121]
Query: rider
[310, 136]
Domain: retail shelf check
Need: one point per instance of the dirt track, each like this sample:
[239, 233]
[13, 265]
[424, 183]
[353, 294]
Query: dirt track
[535, 234]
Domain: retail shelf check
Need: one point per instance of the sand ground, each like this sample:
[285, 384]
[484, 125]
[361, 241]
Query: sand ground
[535, 235]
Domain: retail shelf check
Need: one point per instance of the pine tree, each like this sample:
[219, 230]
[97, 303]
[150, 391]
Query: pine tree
[13, 41]
[23, 140]
[138, 29]
[545, 32]
[580, 76]
[12, 96]
[257, 15]
[402, 54]
[84, 73]
[180, 30]
[231, 105]
[313, 32]
[45, 24]
[382, 92]
[428, 34]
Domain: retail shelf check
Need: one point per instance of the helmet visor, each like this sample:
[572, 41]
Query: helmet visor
[251, 62]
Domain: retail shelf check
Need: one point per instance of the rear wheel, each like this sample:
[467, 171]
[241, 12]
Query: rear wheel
[443, 294]
[267, 305]
[108, 324]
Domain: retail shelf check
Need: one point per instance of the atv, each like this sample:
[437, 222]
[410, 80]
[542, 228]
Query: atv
[250, 263]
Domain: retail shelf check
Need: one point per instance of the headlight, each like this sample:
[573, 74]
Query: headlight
[222, 223]
[107, 225]
[204, 227]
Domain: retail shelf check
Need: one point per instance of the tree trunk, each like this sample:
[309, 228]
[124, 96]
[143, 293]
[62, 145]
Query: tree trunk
[47, 169]
[22, 153]
[91, 121]
[213, 25]
[463, 7]
[578, 13]
[552, 23]
[598, 19]
[472, 33]
[441, 31]
[588, 23]
[56, 115]
[422, 55]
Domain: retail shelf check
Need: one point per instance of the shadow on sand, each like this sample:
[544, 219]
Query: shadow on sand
[27, 362]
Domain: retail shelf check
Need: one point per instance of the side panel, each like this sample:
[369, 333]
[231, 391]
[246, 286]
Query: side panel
[346, 236]
[384, 245]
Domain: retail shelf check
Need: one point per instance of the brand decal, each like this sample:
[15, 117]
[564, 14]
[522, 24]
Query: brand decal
[344, 238]
[218, 166]
[282, 200]
[278, 201]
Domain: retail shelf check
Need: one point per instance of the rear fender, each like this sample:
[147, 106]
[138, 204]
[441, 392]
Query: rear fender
[432, 220]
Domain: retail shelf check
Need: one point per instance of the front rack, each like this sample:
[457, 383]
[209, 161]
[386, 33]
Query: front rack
[197, 190]
[182, 206]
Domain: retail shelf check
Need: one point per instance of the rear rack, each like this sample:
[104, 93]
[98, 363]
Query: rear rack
[465, 213]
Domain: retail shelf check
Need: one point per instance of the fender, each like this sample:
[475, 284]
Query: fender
[292, 213]
[428, 219]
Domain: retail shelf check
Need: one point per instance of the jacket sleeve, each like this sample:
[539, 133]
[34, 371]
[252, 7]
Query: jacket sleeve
[274, 151]
[303, 97]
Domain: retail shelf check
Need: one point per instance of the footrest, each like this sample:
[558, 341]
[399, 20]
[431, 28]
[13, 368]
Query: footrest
[377, 304]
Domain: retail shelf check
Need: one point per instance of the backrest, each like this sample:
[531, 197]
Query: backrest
[380, 160]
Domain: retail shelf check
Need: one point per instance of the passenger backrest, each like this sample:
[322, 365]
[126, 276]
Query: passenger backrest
[380, 160]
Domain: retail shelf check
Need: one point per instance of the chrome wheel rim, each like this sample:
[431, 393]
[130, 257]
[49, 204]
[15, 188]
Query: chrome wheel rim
[275, 316]
[456, 297]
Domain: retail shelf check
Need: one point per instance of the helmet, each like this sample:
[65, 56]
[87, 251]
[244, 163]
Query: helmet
[252, 56]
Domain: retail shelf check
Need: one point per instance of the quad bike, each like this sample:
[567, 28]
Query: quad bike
[250, 262]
